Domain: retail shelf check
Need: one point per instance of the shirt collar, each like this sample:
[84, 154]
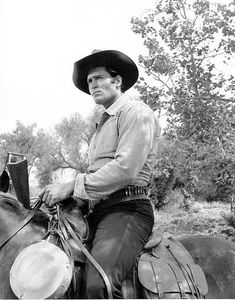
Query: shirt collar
[114, 108]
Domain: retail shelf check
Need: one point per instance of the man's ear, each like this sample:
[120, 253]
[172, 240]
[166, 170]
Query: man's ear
[118, 80]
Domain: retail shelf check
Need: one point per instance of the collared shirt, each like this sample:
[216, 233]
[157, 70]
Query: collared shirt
[122, 151]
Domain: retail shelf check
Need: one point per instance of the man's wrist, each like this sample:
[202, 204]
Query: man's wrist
[80, 202]
[79, 188]
[71, 186]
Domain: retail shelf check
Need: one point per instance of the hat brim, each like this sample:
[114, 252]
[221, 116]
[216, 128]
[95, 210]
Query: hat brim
[113, 59]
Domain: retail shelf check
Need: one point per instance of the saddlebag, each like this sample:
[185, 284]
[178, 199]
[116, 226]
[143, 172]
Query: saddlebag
[168, 271]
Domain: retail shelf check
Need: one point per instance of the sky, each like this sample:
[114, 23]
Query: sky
[39, 42]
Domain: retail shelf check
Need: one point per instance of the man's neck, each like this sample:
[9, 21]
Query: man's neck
[113, 101]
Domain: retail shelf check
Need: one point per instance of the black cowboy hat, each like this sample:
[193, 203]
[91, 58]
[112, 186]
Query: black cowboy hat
[116, 60]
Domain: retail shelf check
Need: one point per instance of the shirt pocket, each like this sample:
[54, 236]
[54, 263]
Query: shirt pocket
[106, 139]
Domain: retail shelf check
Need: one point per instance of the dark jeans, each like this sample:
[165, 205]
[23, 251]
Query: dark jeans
[118, 235]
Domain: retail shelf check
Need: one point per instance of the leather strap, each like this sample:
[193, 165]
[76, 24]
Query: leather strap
[88, 255]
[189, 275]
[22, 224]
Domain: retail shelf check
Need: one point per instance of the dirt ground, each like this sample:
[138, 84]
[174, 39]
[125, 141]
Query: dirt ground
[201, 218]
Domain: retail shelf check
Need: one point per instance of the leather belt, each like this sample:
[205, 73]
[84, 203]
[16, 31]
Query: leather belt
[126, 194]
[130, 190]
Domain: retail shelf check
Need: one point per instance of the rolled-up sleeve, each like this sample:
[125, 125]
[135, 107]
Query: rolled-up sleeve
[136, 139]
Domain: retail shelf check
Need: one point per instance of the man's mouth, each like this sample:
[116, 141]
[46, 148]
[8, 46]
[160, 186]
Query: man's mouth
[96, 93]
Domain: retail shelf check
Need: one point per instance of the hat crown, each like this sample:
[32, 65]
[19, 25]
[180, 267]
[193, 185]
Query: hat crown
[96, 51]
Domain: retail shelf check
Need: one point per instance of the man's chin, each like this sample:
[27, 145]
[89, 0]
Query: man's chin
[98, 100]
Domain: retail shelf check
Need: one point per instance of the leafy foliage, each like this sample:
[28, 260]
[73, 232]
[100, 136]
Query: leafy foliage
[24, 140]
[187, 45]
[67, 149]
[48, 153]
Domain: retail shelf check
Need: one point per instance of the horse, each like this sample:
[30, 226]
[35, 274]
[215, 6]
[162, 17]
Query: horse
[216, 256]
[12, 213]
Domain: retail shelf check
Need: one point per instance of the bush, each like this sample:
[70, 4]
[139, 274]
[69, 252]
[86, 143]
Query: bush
[202, 169]
[230, 219]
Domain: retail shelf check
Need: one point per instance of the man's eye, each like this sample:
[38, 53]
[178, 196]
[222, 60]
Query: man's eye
[89, 81]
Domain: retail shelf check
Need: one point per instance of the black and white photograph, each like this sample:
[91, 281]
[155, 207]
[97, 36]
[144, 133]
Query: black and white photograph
[117, 149]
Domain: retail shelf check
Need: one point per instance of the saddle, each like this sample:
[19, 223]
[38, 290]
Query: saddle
[165, 270]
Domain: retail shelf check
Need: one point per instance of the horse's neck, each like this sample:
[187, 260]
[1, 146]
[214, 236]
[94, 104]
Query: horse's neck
[8, 221]
[11, 220]
[31, 233]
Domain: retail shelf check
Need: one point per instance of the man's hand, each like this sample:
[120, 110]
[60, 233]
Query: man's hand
[55, 193]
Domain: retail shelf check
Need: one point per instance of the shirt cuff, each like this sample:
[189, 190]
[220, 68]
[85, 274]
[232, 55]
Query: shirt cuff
[80, 191]
[79, 188]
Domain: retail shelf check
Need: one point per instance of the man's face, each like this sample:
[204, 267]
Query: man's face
[103, 88]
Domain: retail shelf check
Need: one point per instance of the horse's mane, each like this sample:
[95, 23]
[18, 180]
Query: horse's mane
[7, 200]
[10, 202]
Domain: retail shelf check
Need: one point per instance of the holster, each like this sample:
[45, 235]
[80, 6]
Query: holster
[19, 175]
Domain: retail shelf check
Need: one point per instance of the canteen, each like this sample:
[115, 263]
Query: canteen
[40, 271]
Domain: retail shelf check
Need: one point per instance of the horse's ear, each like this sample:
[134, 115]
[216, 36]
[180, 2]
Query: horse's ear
[4, 182]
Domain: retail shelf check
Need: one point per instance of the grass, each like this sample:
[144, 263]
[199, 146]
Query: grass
[229, 219]
[214, 218]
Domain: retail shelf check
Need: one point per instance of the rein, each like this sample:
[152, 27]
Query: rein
[66, 227]
[21, 225]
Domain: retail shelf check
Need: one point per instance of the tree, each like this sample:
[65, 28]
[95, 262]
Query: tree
[24, 140]
[187, 42]
[63, 149]
[68, 150]
[51, 154]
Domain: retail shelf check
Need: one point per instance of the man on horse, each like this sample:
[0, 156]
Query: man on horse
[121, 157]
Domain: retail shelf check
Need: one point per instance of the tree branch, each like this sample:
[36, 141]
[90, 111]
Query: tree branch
[156, 77]
[208, 98]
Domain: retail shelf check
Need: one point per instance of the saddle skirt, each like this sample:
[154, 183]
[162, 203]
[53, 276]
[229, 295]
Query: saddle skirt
[166, 270]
